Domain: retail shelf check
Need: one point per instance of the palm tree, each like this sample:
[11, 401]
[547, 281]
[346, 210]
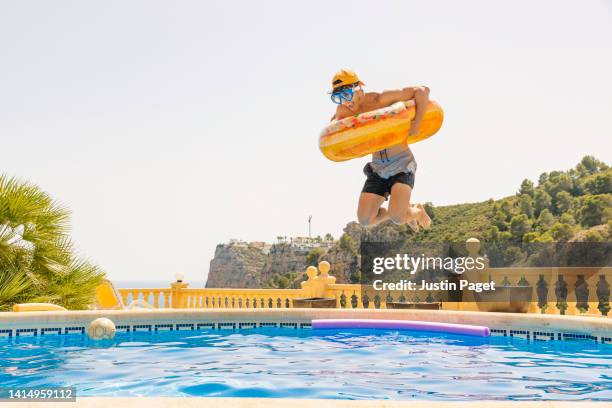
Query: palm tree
[36, 254]
[14, 286]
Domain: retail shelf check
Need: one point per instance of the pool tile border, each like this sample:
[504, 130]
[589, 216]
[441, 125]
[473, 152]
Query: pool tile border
[577, 336]
[21, 332]
[125, 328]
[195, 326]
[161, 327]
[74, 330]
[185, 326]
[50, 330]
[164, 327]
[528, 327]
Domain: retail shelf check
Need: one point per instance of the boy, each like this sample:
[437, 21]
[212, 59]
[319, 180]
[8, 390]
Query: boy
[392, 170]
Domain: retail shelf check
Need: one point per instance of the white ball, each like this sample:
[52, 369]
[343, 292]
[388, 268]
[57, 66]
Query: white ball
[101, 329]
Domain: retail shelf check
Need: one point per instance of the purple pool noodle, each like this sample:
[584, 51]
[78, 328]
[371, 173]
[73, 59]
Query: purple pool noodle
[451, 328]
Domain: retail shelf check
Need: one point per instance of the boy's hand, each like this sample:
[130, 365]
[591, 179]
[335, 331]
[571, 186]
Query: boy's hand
[421, 98]
[414, 128]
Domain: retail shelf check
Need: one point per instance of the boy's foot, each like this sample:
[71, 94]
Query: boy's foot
[423, 218]
[414, 226]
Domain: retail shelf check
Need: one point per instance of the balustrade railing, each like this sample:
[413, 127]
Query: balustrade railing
[572, 290]
[240, 298]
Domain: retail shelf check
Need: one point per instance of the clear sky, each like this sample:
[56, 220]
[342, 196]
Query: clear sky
[170, 126]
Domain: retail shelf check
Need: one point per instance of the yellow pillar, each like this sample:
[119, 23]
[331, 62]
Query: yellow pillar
[178, 297]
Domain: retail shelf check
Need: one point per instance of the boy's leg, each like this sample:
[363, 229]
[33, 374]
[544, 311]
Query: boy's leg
[399, 203]
[402, 212]
[375, 189]
[369, 210]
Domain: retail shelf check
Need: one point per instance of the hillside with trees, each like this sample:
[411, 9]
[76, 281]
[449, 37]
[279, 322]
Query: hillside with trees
[538, 225]
[560, 207]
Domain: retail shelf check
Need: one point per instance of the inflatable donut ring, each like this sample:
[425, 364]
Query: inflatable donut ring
[369, 132]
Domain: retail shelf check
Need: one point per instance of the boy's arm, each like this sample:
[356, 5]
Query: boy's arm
[341, 113]
[420, 95]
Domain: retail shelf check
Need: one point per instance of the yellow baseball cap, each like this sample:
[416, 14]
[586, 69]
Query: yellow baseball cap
[345, 77]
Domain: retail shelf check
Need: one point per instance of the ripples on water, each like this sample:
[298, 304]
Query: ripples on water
[359, 364]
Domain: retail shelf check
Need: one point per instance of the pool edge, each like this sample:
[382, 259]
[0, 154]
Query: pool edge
[189, 402]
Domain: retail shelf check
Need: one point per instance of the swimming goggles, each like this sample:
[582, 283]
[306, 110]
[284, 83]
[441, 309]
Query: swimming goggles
[342, 95]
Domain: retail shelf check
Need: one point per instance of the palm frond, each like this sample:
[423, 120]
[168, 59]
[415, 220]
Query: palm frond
[37, 258]
[75, 288]
[15, 286]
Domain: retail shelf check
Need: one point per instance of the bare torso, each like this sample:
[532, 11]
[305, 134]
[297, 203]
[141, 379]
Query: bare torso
[371, 101]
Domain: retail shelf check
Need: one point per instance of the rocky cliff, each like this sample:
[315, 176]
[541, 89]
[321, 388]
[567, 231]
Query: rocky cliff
[245, 265]
[236, 266]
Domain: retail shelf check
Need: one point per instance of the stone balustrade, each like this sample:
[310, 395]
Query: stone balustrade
[548, 290]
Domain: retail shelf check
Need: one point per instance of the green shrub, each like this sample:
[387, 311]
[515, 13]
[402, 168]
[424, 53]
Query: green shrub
[37, 260]
[561, 232]
[600, 183]
[348, 244]
[312, 259]
[594, 210]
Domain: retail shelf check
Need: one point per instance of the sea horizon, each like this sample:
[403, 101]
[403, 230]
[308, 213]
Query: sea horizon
[149, 283]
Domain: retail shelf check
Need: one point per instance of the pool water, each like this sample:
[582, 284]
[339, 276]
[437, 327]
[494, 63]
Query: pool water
[288, 363]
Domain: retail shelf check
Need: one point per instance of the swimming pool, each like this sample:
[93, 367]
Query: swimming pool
[288, 363]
